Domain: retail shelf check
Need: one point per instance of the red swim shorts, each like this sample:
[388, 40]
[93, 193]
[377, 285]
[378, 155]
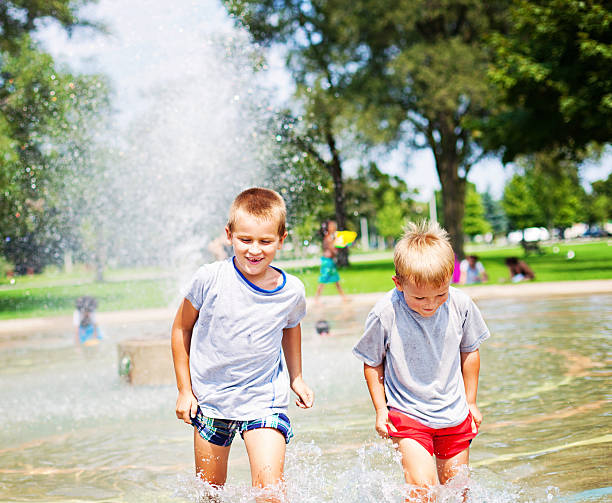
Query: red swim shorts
[443, 442]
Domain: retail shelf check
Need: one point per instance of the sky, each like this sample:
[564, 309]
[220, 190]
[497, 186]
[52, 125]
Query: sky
[152, 40]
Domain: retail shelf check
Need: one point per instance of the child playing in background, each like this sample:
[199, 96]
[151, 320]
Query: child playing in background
[84, 319]
[238, 319]
[329, 272]
[421, 360]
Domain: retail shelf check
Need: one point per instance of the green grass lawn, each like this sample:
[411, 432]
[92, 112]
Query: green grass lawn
[592, 260]
[31, 301]
[54, 293]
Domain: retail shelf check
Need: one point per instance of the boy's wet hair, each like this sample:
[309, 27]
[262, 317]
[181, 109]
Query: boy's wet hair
[424, 255]
[263, 204]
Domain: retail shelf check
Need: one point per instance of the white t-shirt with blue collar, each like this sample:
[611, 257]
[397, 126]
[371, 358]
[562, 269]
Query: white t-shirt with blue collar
[237, 366]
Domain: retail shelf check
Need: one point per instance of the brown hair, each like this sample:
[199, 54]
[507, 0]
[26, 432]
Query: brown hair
[424, 255]
[264, 204]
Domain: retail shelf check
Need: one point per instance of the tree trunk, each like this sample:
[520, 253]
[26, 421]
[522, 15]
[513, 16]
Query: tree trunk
[453, 200]
[335, 169]
[99, 259]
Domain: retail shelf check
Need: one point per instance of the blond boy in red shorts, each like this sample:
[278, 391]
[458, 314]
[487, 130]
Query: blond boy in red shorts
[421, 360]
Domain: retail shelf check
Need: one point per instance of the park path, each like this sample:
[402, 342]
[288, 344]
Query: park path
[477, 292]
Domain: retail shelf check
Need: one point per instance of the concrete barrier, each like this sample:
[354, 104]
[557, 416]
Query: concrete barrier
[146, 361]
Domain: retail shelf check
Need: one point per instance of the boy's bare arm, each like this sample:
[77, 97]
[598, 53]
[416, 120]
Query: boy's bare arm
[470, 369]
[375, 379]
[292, 348]
[182, 328]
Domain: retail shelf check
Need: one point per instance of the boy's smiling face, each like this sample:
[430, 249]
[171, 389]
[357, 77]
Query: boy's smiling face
[255, 243]
[424, 299]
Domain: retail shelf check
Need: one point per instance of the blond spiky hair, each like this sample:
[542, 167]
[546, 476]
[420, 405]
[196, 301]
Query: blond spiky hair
[424, 255]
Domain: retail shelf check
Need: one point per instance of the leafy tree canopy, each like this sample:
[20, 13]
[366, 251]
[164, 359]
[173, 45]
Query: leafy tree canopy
[20, 17]
[402, 69]
[554, 67]
[546, 193]
[43, 136]
[475, 221]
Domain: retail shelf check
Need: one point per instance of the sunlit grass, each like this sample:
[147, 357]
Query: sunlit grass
[592, 260]
[54, 292]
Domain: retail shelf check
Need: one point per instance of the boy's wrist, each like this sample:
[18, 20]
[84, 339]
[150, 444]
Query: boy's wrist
[296, 380]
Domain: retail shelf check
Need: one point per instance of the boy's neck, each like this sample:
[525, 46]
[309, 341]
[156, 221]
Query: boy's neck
[270, 280]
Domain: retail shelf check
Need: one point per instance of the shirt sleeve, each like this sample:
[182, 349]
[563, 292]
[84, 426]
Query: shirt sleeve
[372, 346]
[195, 291]
[299, 309]
[475, 330]
[463, 265]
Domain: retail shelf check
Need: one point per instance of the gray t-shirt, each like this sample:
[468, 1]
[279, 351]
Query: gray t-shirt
[238, 370]
[421, 355]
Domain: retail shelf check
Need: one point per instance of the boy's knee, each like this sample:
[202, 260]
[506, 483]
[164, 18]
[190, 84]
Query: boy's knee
[422, 480]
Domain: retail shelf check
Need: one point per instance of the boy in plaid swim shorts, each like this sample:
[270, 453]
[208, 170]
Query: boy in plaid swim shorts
[421, 361]
[222, 431]
[236, 345]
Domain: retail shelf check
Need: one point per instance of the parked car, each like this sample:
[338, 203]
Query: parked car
[596, 232]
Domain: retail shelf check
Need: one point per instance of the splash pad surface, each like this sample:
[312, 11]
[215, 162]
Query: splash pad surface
[73, 430]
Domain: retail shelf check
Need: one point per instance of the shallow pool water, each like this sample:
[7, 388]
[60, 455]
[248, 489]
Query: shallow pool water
[73, 430]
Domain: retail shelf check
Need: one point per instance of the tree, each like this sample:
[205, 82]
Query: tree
[547, 193]
[21, 17]
[519, 204]
[474, 222]
[600, 201]
[365, 193]
[390, 219]
[495, 215]
[396, 70]
[421, 71]
[555, 186]
[318, 72]
[553, 65]
[42, 108]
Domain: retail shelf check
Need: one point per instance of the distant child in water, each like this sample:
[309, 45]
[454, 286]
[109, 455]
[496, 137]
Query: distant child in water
[421, 360]
[84, 319]
[329, 272]
[236, 344]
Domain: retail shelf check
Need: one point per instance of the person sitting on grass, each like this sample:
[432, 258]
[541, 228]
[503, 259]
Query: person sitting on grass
[519, 270]
[421, 361]
[472, 271]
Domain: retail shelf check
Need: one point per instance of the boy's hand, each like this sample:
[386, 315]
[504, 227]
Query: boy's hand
[476, 417]
[186, 406]
[383, 425]
[305, 394]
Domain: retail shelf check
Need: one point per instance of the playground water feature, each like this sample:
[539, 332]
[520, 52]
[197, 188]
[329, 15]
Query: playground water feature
[74, 430]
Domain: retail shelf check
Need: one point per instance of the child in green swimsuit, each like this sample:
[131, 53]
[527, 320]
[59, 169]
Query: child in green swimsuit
[329, 273]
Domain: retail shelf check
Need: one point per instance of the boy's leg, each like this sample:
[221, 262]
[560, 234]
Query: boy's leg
[418, 464]
[319, 290]
[448, 468]
[340, 291]
[266, 449]
[210, 460]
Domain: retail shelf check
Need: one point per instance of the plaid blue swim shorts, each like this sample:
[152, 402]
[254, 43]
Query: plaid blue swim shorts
[222, 431]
